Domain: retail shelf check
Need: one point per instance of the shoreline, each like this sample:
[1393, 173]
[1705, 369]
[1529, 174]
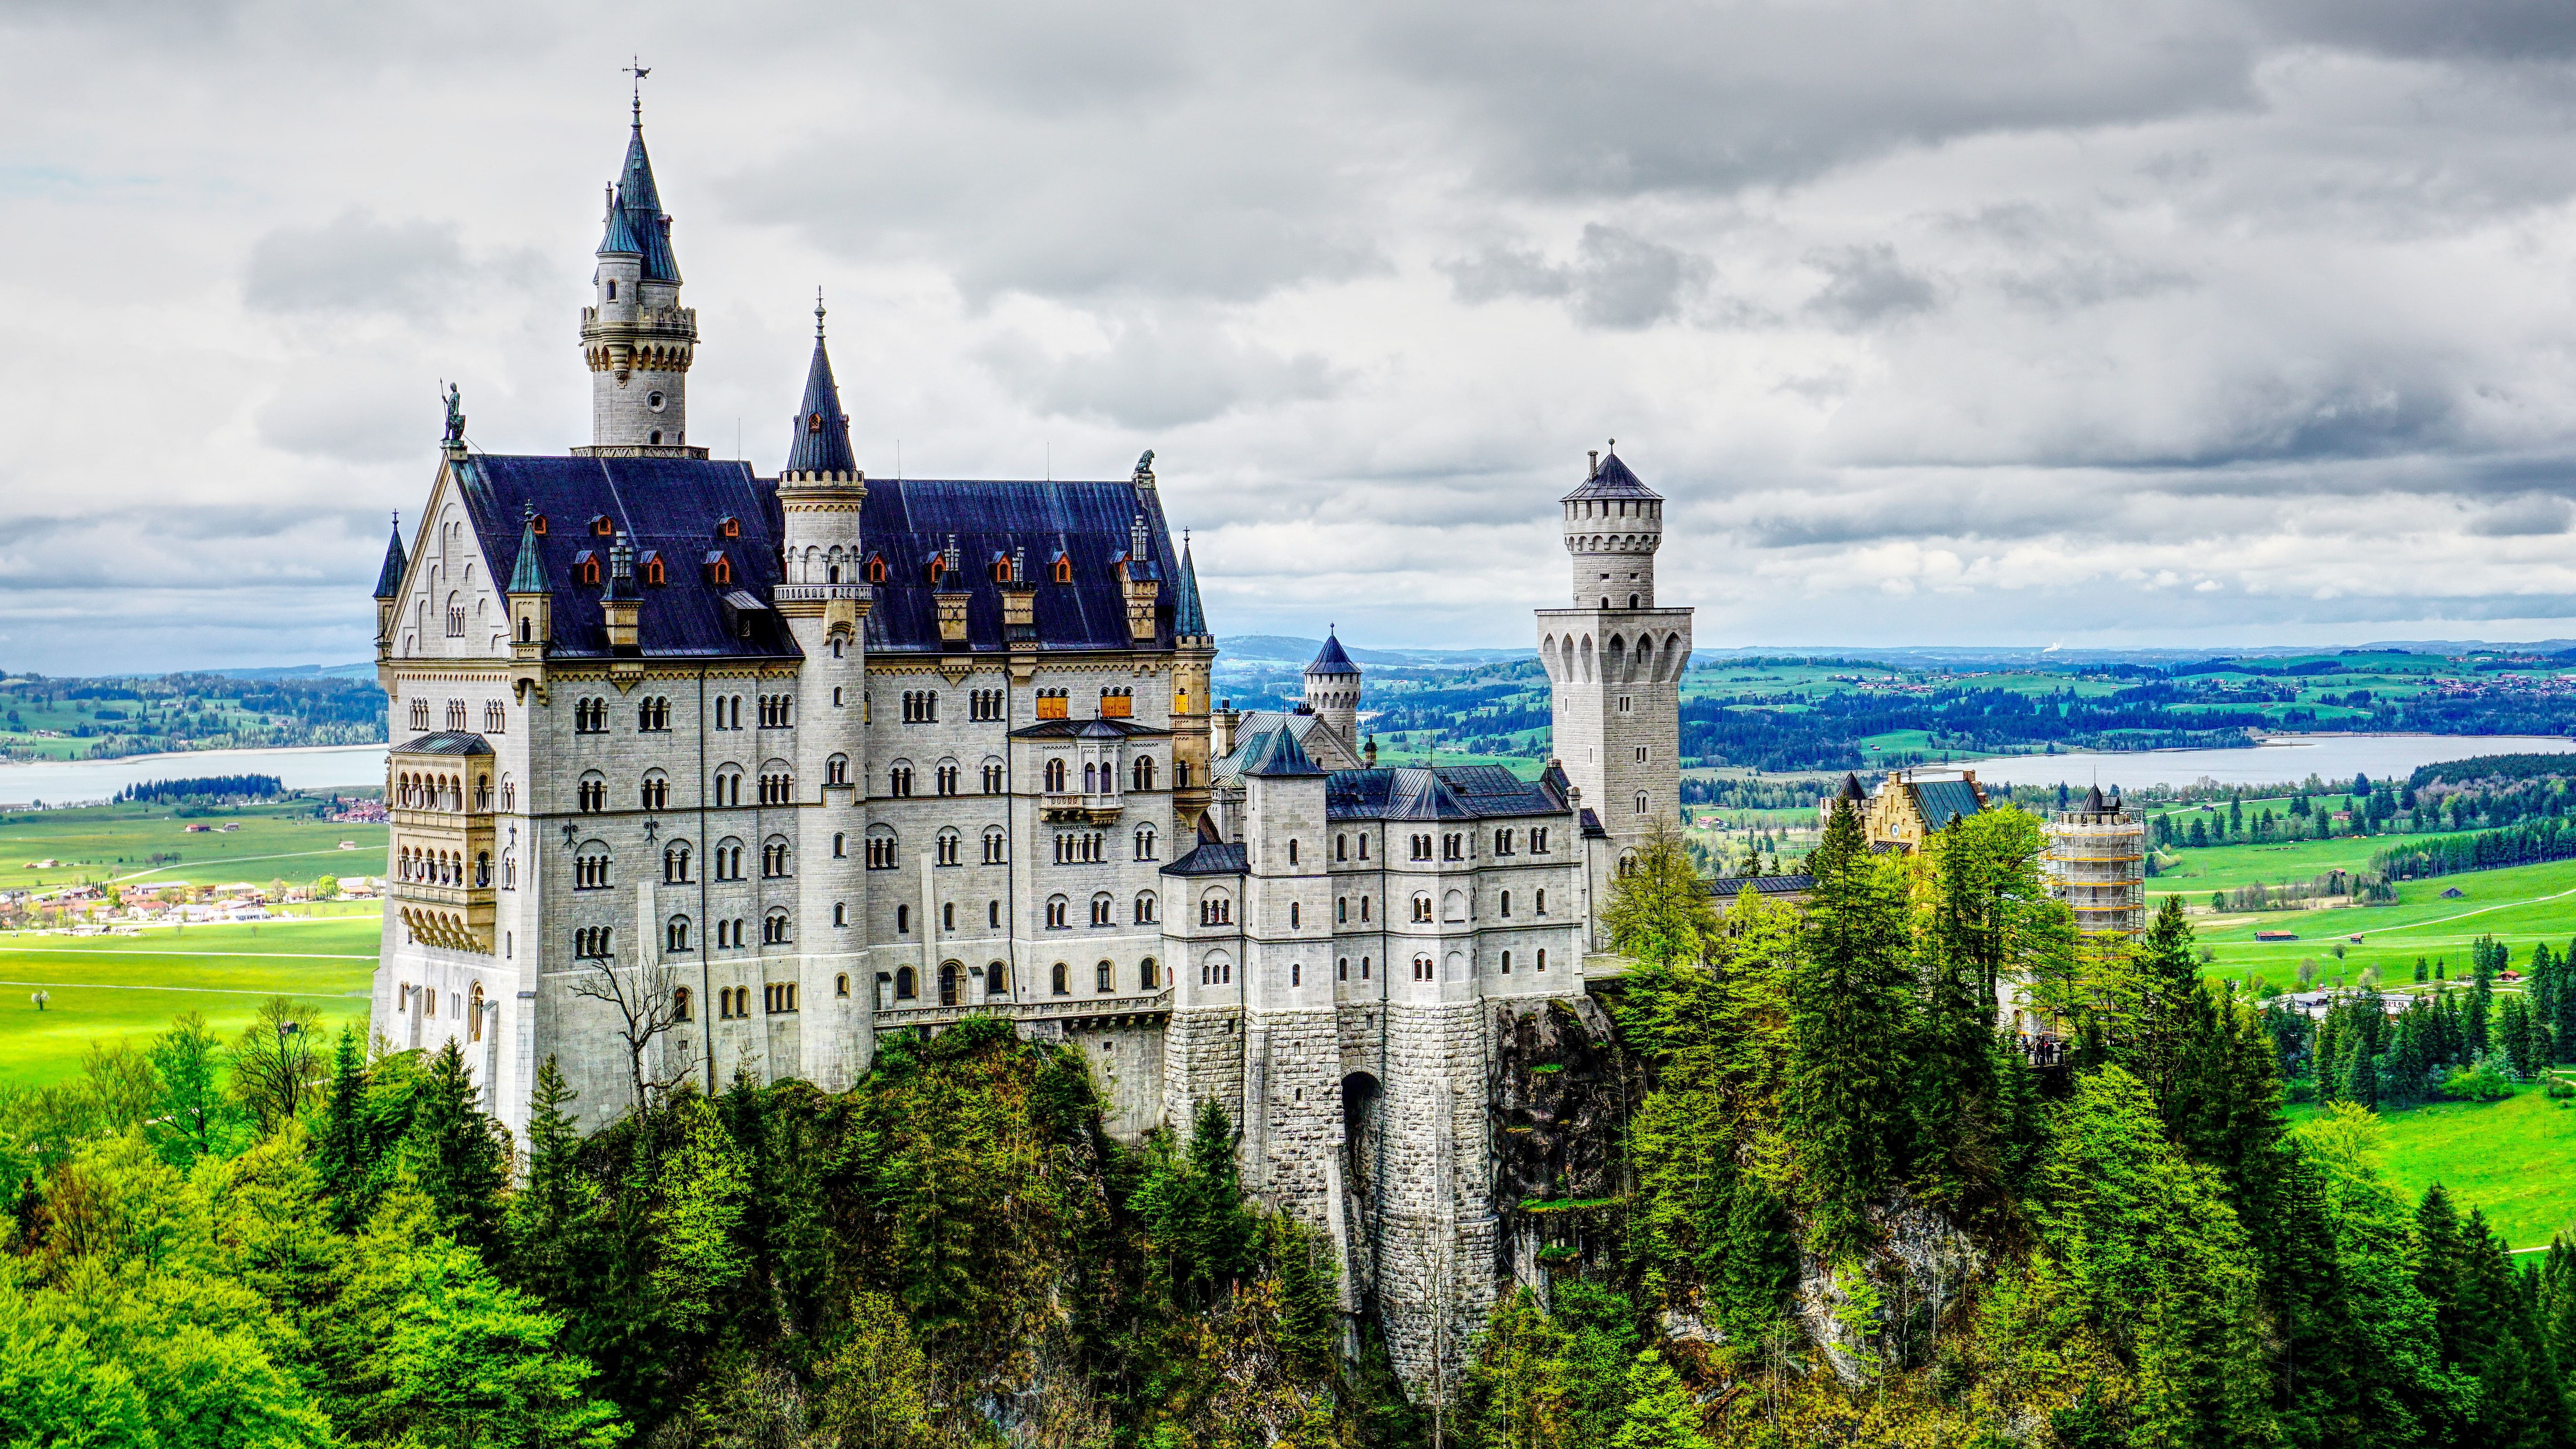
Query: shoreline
[7, 765]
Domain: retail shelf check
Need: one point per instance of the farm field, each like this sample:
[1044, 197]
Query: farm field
[2509, 1159]
[2519, 907]
[116, 842]
[110, 988]
[2224, 867]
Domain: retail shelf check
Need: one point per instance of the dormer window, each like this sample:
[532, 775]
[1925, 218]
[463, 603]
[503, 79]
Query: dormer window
[876, 568]
[600, 527]
[719, 568]
[1063, 569]
[730, 528]
[538, 523]
[653, 570]
[585, 567]
[938, 566]
[813, 422]
[1001, 569]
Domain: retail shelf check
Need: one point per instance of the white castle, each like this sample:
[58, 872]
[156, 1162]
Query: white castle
[700, 773]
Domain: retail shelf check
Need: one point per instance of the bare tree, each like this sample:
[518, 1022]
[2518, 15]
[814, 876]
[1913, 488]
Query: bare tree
[644, 994]
[275, 1069]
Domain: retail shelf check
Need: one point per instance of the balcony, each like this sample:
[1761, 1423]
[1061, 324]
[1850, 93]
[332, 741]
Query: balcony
[815, 593]
[1093, 809]
[1074, 1012]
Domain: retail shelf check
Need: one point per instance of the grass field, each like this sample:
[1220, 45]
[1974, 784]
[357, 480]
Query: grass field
[2509, 1159]
[2225, 867]
[2519, 907]
[111, 988]
[115, 842]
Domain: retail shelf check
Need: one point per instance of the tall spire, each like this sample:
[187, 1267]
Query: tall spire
[528, 574]
[1187, 618]
[389, 578]
[821, 443]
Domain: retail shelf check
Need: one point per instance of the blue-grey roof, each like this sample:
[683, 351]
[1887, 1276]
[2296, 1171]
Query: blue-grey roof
[1187, 617]
[1330, 659]
[1727, 887]
[636, 225]
[1612, 480]
[676, 507]
[906, 521]
[528, 573]
[389, 578]
[446, 742]
[1086, 729]
[1211, 857]
[1943, 801]
[1851, 789]
[1447, 792]
[1276, 754]
[822, 440]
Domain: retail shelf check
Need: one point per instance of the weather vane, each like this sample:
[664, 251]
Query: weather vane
[636, 67]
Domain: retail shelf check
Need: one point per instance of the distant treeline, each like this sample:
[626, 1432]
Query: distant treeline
[257, 787]
[2482, 769]
[2529, 843]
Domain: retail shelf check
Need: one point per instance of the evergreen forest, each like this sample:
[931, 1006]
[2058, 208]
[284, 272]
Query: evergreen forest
[1854, 1203]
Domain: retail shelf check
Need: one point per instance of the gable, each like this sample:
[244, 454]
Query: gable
[449, 606]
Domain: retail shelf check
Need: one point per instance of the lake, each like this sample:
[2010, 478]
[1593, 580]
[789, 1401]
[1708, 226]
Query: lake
[2279, 760]
[62, 782]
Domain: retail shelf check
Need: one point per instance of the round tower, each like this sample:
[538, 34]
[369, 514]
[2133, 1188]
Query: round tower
[1613, 525]
[1333, 691]
[635, 335]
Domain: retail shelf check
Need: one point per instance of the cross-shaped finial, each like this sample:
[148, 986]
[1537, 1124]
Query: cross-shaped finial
[636, 67]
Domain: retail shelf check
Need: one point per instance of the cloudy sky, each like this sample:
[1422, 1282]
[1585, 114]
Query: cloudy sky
[2097, 322]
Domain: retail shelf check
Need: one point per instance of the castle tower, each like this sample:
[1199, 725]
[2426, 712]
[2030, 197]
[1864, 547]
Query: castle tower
[825, 604]
[1614, 660]
[1333, 691]
[389, 582]
[635, 335]
[1193, 662]
[2096, 862]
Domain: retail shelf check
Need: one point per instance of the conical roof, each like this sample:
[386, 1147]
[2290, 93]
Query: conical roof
[636, 225]
[1187, 618]
[1611, 479]
[1330, 659]
[2093, 804]
[389, 578]
[822, 440]
[1276, 752]
[1851, 789]
[528, 575]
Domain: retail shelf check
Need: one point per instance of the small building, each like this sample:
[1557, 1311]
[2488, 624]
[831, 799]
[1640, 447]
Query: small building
[1726, 890]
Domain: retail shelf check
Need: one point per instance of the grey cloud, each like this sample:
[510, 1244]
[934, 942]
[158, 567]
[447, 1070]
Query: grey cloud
[1156, 375]
[358, 263]
[1617, 279]
[1865, 285]
[2517, 31]
[2533, 515]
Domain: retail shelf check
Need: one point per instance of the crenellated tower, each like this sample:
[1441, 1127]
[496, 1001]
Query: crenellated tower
[635, 335]
[1333, 691]
[1615, 659]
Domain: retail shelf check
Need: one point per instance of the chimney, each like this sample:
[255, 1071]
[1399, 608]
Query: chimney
[1019, 601]
[618, 603]
[1594, 471]
[951, 596]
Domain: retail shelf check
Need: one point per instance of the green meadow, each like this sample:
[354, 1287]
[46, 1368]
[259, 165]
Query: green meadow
[107, 989]
[105, 843]
[2508, 1159]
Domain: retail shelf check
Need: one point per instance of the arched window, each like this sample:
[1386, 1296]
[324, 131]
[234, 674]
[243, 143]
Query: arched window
[773, 929]
[1103, 977]
[1148, 976]
[1063, 570]
[675, 935]
[906, 985]
[1507, 963]
[1103, 909]
[1145, 904]
[997, 978]
[1542, 958]
[882, 848]
[876, 569]
[841, 984]
[899, 779]
[996, 851]
[774, 858]
[590, 868]
[840, 913]
[1292, 915]
[1641, 802]
[948, 974]
[1055, 774]
[1292, 852]
[950, 844]
[1061, 985]
[474, 1014]
[836, 770]
[655, 791]
[680, 1004]
[1342, 968]
[1057, 908]
[727, 862]
[945, 778]
[1144, 842]
[1141, 775]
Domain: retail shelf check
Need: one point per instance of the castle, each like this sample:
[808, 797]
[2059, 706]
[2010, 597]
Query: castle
[699, 772]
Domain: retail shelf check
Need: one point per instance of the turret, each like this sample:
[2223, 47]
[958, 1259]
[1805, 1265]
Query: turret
[1333, 691]
[1613, 524]
[1193, 661]
[637, 338]
[532, 610]
[389, 581]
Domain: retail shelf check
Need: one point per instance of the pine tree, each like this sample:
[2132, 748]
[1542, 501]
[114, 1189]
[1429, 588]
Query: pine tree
[549, 1222]
[2514, 1037]
[340, 1148]
[1661, 1411]
[457, 1154]
[1850, 1000]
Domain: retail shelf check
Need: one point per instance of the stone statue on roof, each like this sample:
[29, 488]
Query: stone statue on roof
[1145, 464]
[455, 415]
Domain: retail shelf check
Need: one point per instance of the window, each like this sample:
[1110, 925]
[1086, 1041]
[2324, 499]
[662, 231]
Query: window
[1538, 840]
[719, 568]
[841, 917]
[1141, 775]
[585, 566]
[590, 716]
[1148, 976]
[1103, 909]
[1342, 968]
[655, 792]
[993, 914]
[1341, 847]
[1507, 905]
[612, 289]
[995, 852]
[881, 851]
[1296, 973]
[591, 943]
[1102, 977]
[903, 920]
[591, 794]
[948, 974]
[1063, 570]
[777, 712]
[1641, 802]
[1057, 908]
[992, 777]
[675, 935]
[728, 711]
[590, 869]
[841, 984]
[948, 915]
[654, 573]
[1542, 958]
[984, 704]
[773, 859]
[1053, 704]
[420, 714]
[1507, 963]
[680, 1004]
[730, 528]
[675, 863]
[1216, 908]
[921, 706]
[899, 780]
[836, 770]
[1364, 846]
[945, 778]
[456, 714]
[496, 717]
[1502, 842]
[728, 786]
[1341, 910]
[1623, 704]
[778, 997]
[1144, 842]
[947, 847]
[840, 847]
[1453, 846]
[1422, 847]
[773, 929]
[1292, 915]
[1364, 908]
[602, 526]
[455, 617]
[777, 789]
[906, 984]
[1055, 777]
[1421, 908]
[1057, 980]
[728, 859]
[1422, 968]
[509, 794]
[1538, 902]
[1292, 852]
[1364, 968]
[1641, 754]
[876, 569]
